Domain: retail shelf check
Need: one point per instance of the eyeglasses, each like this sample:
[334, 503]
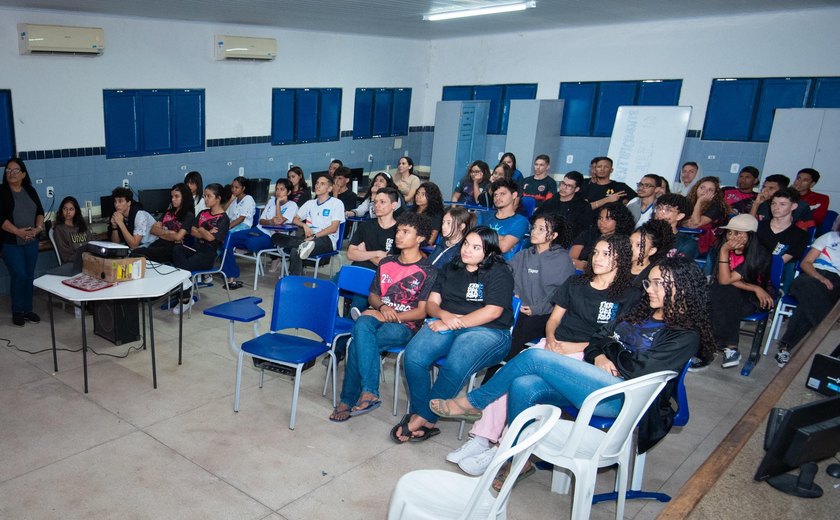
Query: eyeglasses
[664, 209]
[645, 185]
[656, 284]
[13, 171]
[568, 185]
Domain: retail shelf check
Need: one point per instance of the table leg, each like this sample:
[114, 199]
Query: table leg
[84, 345]
[143, 321]
[180, 324]
[52, 331]
[152, 344]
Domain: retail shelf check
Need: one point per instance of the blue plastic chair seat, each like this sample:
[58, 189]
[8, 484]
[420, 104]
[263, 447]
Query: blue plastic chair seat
[244, 310]
[284, 348]
[342, 326]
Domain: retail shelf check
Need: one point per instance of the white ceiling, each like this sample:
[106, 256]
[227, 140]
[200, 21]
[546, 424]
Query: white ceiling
[403, 18]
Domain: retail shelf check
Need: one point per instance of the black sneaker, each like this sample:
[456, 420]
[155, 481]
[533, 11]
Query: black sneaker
[731, 358]
[698, 364]
[782, 358]
[31, 317]
[18, 319]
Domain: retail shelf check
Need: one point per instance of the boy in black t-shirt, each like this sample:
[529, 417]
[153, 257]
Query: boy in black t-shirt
[779, 235]
[397, 299]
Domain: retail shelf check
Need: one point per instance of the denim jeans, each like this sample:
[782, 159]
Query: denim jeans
[20, 261]
[370, 337]
[251, 239]
[290, 244]
[467, 351]
[539, 376]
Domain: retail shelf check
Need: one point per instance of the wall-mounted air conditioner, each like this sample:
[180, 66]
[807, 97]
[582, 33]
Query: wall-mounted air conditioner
[245, 48]
[60, 39]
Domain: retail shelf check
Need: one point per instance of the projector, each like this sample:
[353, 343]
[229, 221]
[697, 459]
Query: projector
[107, 249]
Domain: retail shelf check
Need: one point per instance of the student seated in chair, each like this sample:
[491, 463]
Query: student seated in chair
[319, 220]
[510, 226]
[397, 300]
[130, 224]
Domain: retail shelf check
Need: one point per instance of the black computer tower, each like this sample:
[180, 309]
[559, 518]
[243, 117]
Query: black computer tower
[118, 321]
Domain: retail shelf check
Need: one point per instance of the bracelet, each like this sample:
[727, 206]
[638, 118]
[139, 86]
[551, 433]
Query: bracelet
[723, 261]
[380, 307]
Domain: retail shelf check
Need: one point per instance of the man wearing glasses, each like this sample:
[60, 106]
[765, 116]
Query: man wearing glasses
[673, 208]
[576, 211]
[642, 206]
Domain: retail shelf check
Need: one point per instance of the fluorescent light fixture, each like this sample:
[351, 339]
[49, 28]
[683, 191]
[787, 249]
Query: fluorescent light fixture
[478, 11]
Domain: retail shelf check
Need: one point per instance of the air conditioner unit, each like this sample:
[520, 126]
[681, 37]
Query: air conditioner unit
[245, 48]
[60, 39]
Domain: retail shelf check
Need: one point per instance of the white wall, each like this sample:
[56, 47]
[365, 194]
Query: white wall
[57, 100]
[801, 43]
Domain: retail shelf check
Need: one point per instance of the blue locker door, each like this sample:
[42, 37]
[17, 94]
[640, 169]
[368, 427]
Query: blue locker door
[329, 117]
[122, 124]
[826, 93]
[612, 95]
[528, 91]
[402, 110]
[363, 113]
[282, 116]
[493, 94]
[578, 107]
[659, 93]
[306, 118]
[156, 122]
[7, 127]
[383, 104]
[188, 120]
[729, 114]
[777, 93]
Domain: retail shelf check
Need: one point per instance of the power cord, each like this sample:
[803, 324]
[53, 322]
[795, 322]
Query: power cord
[34, 352]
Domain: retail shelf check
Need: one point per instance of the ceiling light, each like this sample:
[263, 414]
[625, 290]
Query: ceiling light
[478, 11]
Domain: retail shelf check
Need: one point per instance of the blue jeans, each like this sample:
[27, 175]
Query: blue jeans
[539, 376]
[251, 239]
[20, 261]
[467, 351]
[370, 337]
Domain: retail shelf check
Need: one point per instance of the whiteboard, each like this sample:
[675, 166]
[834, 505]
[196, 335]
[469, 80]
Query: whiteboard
[647, 140]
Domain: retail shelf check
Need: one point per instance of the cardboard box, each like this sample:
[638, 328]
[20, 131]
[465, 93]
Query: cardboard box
[114, 269]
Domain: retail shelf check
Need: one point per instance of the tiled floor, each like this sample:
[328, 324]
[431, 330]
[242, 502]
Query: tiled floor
[125, 450]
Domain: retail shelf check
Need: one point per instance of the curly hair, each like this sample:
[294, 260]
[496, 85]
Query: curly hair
[554, 223]
[624, 222]
[420, 222]
[717, 200]
[621, 254]
[434, 199]
[686, 302]
[661, 237]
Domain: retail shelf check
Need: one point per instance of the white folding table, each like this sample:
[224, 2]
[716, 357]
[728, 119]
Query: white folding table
[159, 281]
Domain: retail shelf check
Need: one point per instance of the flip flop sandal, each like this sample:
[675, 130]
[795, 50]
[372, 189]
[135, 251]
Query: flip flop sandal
[236, 285]
[397, 430]
[337, 411]
[441, 409]
[428, 433]
[500, 479]
[371, 405]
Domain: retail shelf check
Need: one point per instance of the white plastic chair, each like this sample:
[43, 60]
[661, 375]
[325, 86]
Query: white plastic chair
[582, 449]
[439, 494]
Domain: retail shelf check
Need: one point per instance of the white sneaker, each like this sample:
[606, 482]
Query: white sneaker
[477, 464]
[355, 313]
[305, 249]
[468, 449]
[177, 308]
[207, 278]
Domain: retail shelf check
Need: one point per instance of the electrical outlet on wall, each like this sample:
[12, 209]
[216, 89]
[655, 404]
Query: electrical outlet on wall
[88, 204]
[735, 168]
[50, 192]
[125, 183]
[570, 159]
[370, 157]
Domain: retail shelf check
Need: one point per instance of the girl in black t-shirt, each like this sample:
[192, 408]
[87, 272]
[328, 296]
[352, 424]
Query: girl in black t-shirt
[429, 201]
[173, 227]
[471, 315]
[650, 243]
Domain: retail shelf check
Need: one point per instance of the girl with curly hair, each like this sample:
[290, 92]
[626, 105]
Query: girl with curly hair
[429, 201]
[669, 325]
[651, 242]
[709, 211]
[579, 307]
[613, 218]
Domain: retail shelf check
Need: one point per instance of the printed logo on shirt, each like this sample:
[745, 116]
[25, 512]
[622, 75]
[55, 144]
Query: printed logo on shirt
[325, 212]
[541, 188]
[533, 271]
[475, 292]
[780, 248]
[607, 311]
[389, 243]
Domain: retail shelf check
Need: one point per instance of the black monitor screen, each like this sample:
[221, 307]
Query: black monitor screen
[106, 205]
[317, 175]
[358, 174]
[155, 201]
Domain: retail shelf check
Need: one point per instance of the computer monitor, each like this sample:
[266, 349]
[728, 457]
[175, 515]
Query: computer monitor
[155, 201]
[796, 436]
[358, 174]
[316, 175]
[106, 205]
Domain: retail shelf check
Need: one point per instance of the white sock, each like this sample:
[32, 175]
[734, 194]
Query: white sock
[482, 441]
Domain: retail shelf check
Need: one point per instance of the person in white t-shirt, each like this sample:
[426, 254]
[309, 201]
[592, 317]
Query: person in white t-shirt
[319, 220]
[129, 224]
[816, 291]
